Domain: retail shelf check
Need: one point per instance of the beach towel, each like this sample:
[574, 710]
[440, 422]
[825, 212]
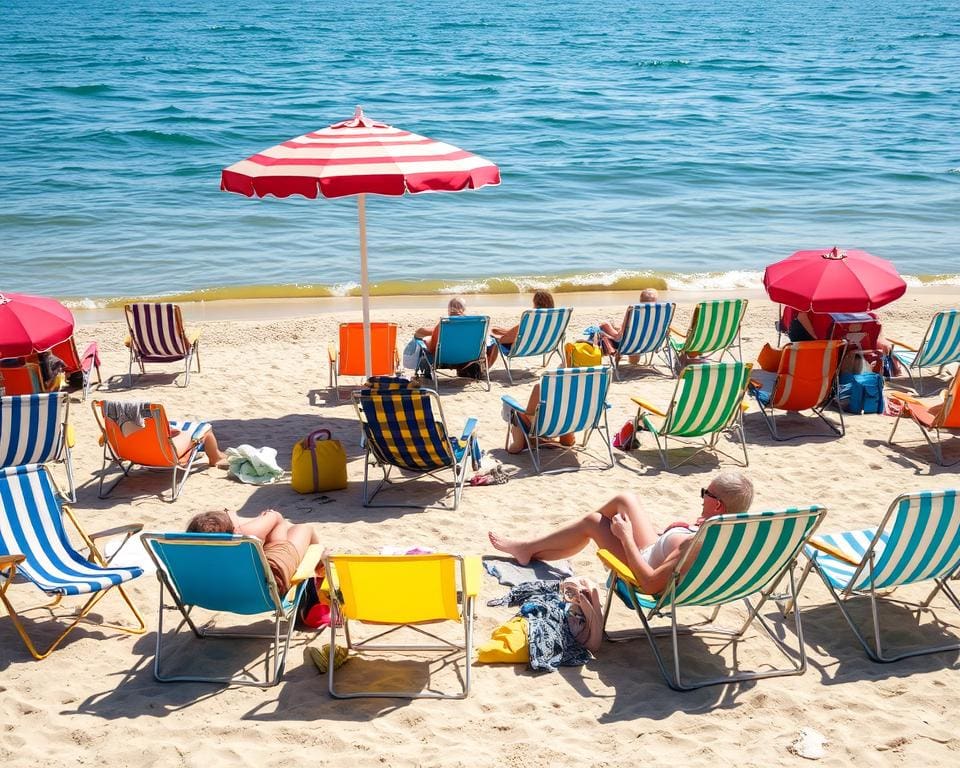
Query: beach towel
[257, 466]
[509, 572]
[128, 415]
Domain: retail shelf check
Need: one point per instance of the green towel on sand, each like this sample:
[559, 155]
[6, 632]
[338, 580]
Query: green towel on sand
[257, 466]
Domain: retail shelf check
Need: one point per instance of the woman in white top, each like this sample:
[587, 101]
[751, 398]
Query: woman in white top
[622, 527]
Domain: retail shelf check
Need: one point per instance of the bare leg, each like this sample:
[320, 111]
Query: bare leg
[517, 443]
[183, 445]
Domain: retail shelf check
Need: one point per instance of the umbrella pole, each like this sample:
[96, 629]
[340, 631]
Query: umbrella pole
[364, 284]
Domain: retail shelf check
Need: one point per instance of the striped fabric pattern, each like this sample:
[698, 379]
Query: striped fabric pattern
[402, 429]
[196, 429]
[940, 346]
[714, 326]
[706, 399]
[646, 329]
[32, 525]
[741, 554]
[572, 399]
[920, 541]
[156, 330]
[540, 332]
[32, 428]
[356, 156]
[806, 374]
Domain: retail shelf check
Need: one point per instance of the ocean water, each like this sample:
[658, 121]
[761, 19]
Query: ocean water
[684, 144]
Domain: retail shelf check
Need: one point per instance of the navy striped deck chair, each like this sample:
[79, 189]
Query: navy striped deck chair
[34, 430]
[224, 573]
[34, 545]
[732, 558]
[157, 335]
[645, 333]
[462, 341]
[571, 400]
[404, 429]
[940, 347]
[541, 332]
[917, 540]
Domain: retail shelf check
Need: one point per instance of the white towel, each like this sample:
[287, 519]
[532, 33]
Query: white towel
[257, 466]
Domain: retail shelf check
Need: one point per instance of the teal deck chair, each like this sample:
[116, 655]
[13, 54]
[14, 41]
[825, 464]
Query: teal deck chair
[224, 573]
[707, 401]
[732, 558]
[571, 400]
[462, 341]
[714, 329]
[917, 540]
[645, 332]
[939, 348]
[541, 332]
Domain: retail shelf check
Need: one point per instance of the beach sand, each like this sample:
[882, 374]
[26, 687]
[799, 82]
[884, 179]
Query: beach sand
[264, 382]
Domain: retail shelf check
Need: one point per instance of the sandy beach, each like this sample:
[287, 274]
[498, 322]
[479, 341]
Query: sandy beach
[264, 382]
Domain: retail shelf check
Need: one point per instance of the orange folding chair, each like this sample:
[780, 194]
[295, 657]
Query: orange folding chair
[22, 376]
[931, 418]
[348, 359]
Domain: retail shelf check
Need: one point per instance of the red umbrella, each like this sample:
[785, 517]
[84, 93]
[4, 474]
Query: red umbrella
[833, 281]
[31, 324]
[357, 157]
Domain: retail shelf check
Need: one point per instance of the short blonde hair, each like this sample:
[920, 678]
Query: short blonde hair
[734, 489]
[456, 306]
[649, 295]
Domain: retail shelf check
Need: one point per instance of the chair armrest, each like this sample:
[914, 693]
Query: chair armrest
[129, 529]
[511, 402]
[331, 352]
[7, 560]
[469, 428]
[613, 563]
[70, 436]
[904, 398]
[902, 344]
[193, 338]
[822, 546]
[644, 405]
[128, 341]
[677, 332]
[308, 566]
[473, 569]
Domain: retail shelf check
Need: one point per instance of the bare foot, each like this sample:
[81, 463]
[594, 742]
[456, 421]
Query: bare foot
[511, 547]
[221, 462]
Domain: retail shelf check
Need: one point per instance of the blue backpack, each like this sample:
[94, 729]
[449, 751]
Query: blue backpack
[861, 392]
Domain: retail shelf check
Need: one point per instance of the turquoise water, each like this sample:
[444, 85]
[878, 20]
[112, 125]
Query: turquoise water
[689, 143]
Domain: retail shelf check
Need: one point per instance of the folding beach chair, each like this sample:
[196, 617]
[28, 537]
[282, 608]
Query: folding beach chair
[462, 341]
[84, 364]
[541, 332]
[806, 379]
[917, 540]
[150, 446]
[348, 359]
[714, 329]
[731, 558]
[707, 401]
[939, 348]
[931, 418]
[157, 335]
[34, 430]
[225, 573]
[34, 545]
[407, 592]
[19, 376]
[571, 400]
[861, 332]
[645, 332]
[404, 429]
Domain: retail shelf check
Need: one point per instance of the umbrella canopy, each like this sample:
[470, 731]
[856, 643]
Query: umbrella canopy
[833, 280]
[356, 157]
[31, 324]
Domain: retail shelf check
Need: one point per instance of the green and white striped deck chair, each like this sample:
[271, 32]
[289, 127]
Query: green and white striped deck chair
[939, 348]
[917, 540]
[731, 558]
[707, 401]
[714, 328]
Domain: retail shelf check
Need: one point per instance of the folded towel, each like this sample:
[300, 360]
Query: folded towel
[128, 415]
[509, 572]
[257, 466]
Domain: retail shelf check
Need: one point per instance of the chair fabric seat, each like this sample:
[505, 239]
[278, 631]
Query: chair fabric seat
[852, 543]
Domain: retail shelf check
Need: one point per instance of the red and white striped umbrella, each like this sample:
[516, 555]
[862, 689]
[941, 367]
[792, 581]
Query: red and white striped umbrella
[357, 157]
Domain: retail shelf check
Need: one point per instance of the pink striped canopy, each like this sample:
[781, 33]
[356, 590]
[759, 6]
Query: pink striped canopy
[358, 156]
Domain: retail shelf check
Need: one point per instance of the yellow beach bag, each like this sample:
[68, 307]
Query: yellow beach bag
[582, 353]
[319, 463]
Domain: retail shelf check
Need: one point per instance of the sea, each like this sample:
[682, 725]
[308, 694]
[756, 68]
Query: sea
[684, 145]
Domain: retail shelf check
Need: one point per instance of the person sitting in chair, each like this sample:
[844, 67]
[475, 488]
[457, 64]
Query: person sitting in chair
[456, 307]
[507, 336]
[613, 333]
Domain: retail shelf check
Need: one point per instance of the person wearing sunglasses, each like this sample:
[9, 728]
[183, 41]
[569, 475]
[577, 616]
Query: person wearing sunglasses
[622, 527]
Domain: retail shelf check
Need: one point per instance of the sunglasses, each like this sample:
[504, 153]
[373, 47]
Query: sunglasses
[706, 492]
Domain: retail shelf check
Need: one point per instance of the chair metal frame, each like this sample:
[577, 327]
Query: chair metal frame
[191, 343]
[519, 347]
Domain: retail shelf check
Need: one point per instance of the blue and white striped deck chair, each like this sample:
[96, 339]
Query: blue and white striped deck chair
[225, 573]
[462, 341]
[571, 400]
[731, 558]
[917, 540]
[939, 348]
[714, 329]
[33, 430]
[707, 401]
[404, 429]
[645, 332]
[157, 335]
[34, 545]
[541, 332]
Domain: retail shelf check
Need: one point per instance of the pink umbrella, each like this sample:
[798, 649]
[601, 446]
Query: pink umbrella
[833, 280]
[32, 324]
[357, 157]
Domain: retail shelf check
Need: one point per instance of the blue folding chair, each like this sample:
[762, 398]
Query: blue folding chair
[33, 430]
[34, 545]
[541, 332]
[225, 573]
[939, 348]
[645, 332]
[462, 340]
[571, 400]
